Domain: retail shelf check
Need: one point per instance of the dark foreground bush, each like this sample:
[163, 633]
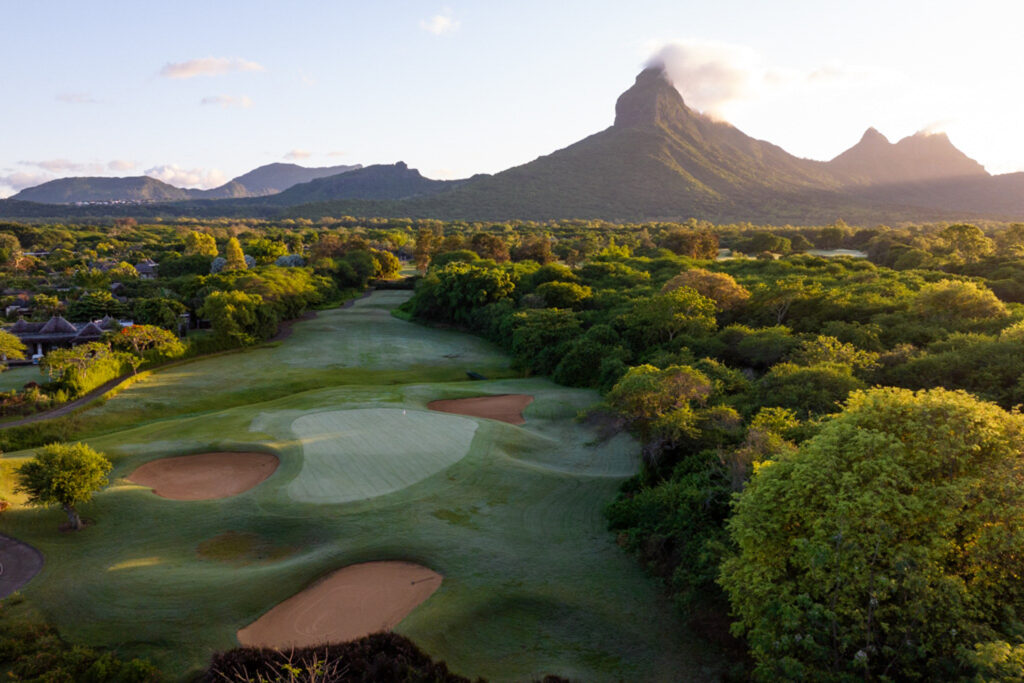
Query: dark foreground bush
[31, 651]
[381, 657]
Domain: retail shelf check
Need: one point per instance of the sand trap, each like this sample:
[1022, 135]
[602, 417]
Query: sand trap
[205, 476]
[506, 407]
[350, 603]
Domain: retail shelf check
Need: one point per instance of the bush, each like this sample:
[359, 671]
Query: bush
[377, 657]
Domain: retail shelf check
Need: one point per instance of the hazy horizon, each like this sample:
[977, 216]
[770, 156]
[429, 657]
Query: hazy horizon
[202, 93]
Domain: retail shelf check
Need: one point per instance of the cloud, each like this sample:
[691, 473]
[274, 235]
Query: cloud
[337, 153]
[208, 66]
[121, 165]
[204, 178]
[76, 98]
[227, 101]
[296, 154]
[440, 24]
[64, 166]
[717, 77]
[13, 182]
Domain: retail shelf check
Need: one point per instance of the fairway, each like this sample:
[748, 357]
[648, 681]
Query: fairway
[355, 454]
[510, 515]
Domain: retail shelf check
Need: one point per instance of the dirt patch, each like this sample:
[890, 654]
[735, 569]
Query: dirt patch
[505, 407]
[241, 548]
[348, 604]
[205, 476]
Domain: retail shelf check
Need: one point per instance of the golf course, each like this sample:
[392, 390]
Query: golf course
[330, 456]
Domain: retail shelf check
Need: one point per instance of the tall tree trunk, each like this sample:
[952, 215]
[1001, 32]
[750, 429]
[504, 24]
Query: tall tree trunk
[73, 519]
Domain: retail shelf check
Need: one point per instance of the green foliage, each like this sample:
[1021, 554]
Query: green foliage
[540, 338]
[234, 259]
[949, 302]
[82, 368]
[887, 545]
[453, 292]
[238, 319]
[11, 348]
[63, 474]
[95, 305]
[159, 311]
[808, 389]
[662, 317]
[462, 255]
[563, 294]
[200, 244]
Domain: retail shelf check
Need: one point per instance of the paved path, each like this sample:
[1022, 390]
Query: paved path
[19, 562]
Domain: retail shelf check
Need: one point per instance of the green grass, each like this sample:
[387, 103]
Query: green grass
[18, 377]
[510, 516]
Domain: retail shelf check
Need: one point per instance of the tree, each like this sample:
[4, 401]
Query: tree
[953, 301]
[967, 242]
[660, 318]
[719, 287]
[658, 404]
[94, 305]
[200, 244]
[47, 304]
[691, 243]
[10, 248]
[424, 249]
[888, 546]
[11, 348]
[265, 250]
[146, 341]
[233, 256]
[123, 271]
[489, 246]
[238, 318]
[64, 474]
[563, 294]
[159, 311]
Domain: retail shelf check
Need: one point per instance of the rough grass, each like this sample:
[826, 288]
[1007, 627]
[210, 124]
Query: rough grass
[533, 582]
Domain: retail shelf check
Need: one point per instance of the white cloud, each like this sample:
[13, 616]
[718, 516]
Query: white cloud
[296, 154]
[19, 180]
[208, 66]
[76, 98]
[121, 165]
[440, 24]
[227, 101]
[717, 78]
[337, 153]
[64, 166]
[204, 178]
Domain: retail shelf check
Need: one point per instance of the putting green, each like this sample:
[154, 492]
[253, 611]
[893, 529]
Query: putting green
[356, 454]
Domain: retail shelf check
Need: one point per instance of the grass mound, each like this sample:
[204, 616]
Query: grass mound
[242, 548]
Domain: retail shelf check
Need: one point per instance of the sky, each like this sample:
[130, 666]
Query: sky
[195, 93]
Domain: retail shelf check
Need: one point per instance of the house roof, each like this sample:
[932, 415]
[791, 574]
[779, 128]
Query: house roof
[57, 330]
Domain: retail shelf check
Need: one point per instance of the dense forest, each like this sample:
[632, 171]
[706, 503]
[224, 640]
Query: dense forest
[830, 441]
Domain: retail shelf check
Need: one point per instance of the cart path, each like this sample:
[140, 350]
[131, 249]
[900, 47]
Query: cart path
[19, 562]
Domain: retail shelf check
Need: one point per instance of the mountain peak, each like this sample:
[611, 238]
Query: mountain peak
[652, 100]
[873, 137]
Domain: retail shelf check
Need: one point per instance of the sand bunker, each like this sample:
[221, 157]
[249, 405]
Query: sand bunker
[506, 407]
[348, 604]
[205, 476]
